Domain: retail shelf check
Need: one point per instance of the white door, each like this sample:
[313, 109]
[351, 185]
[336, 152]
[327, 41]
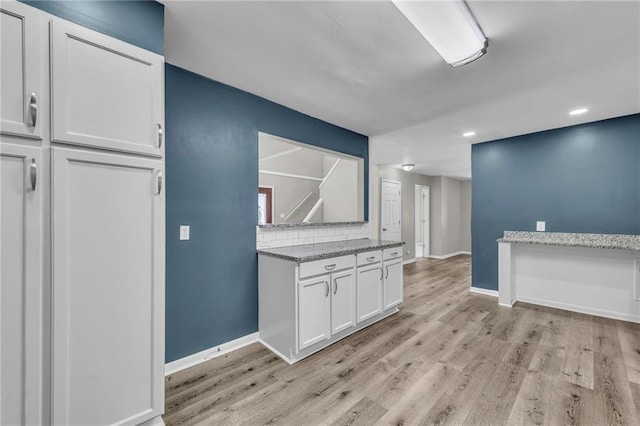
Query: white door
[20, 285]
[421, 201]
[369, 292]
[314, 311]
[22, 70]
[392, 285]
[105, 93]
[390, 209]
[107, 289]
[343, 301]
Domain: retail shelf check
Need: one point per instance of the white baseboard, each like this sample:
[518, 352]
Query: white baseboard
[408, 261]
[485, 291]
[581, 309]
[446, 256]
[207, 354]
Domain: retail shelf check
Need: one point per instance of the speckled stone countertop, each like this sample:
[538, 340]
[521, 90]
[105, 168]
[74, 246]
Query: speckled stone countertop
[309, 252]
[299, 225]
[604, 241]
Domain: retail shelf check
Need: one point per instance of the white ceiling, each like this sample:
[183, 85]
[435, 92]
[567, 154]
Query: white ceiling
[362, 66]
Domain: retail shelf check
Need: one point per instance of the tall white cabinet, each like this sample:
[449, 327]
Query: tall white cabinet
[82, 229]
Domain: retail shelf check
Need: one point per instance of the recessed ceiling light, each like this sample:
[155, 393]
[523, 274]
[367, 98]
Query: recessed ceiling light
[578, 111]
[408, 167]
[469, 134]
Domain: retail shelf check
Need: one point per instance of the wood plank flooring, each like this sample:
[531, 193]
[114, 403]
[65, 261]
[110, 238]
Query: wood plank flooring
[448, 357]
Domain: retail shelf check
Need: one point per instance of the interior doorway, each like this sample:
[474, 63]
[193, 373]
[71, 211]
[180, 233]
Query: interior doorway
[265, 205]
[421, 203]
[390, 210]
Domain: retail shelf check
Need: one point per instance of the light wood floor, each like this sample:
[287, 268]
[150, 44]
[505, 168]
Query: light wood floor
[448, 357]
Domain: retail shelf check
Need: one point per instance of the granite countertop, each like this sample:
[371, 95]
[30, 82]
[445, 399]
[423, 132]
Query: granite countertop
[308, 252]
[300, 225]
[603, 241]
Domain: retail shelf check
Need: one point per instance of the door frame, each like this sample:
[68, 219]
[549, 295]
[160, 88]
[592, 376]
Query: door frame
[425, 191]
[270, 200]
[382, 181]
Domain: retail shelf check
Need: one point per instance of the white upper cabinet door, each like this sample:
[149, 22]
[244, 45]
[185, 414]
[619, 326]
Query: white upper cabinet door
[107, 289]
[392, 287]
[20, 285]
[105, 93]
[343, 301]
[22, 70]
[314, 310]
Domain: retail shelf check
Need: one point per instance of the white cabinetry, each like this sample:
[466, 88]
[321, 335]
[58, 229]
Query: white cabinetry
[369, 294]
[20, 284]
[105, 92]
[314, 309]
[22, 69]
[392, 283]
[108, 257]
[83, 252]
[304, 307]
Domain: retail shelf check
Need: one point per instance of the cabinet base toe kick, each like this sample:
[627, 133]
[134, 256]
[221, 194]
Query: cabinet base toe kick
[291, 356]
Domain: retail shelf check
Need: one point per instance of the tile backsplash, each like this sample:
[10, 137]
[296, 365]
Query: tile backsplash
[293, 236]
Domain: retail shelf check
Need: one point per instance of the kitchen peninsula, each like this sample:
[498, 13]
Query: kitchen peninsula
[597, 274]
[313, 295]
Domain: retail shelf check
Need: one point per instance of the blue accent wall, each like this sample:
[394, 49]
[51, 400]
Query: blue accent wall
[138, 22]
[212, 181]
[583, 178]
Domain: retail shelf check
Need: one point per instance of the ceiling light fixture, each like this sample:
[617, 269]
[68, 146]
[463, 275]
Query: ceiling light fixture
[448, 26]
[469, 134]
[408, 167]
[578, 111]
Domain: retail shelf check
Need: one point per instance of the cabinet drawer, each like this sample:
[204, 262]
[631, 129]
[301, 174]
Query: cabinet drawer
[369, 257]
[392, 253]
[325, 266]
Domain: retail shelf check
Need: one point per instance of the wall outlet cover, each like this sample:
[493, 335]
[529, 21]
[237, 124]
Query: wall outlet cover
[541, 226]
[184, 232]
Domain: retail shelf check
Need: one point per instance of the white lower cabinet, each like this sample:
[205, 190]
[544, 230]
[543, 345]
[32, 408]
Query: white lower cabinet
[107, 288]
[304, 307]
[314, 309]
[20, 284]
[392, 283]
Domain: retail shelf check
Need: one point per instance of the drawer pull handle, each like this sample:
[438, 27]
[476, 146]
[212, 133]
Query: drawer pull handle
[330, 267]
[395, 253]
[371, 259]
[326, 290]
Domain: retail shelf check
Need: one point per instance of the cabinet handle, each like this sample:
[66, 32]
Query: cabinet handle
[326, 290]
[335, 286]
[395, 253]
[160, 134]
[371, 259]
[159, 182]
[387, 274]
[381, 274]
[33, 109]
[330, 267]
[33, 174]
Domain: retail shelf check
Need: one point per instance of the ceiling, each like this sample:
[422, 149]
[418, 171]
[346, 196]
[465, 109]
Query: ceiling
[363, 66]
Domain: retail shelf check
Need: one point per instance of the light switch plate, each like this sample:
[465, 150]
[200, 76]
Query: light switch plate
[184, 232]
[541, 226]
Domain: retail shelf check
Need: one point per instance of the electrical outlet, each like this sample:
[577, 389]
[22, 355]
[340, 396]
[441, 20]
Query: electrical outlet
[541, 226]
[184, 232]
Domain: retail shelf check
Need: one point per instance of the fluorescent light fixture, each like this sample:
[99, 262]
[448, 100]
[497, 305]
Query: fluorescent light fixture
[448, 26]
[469, 134]
[578, 111]
[408, 167]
